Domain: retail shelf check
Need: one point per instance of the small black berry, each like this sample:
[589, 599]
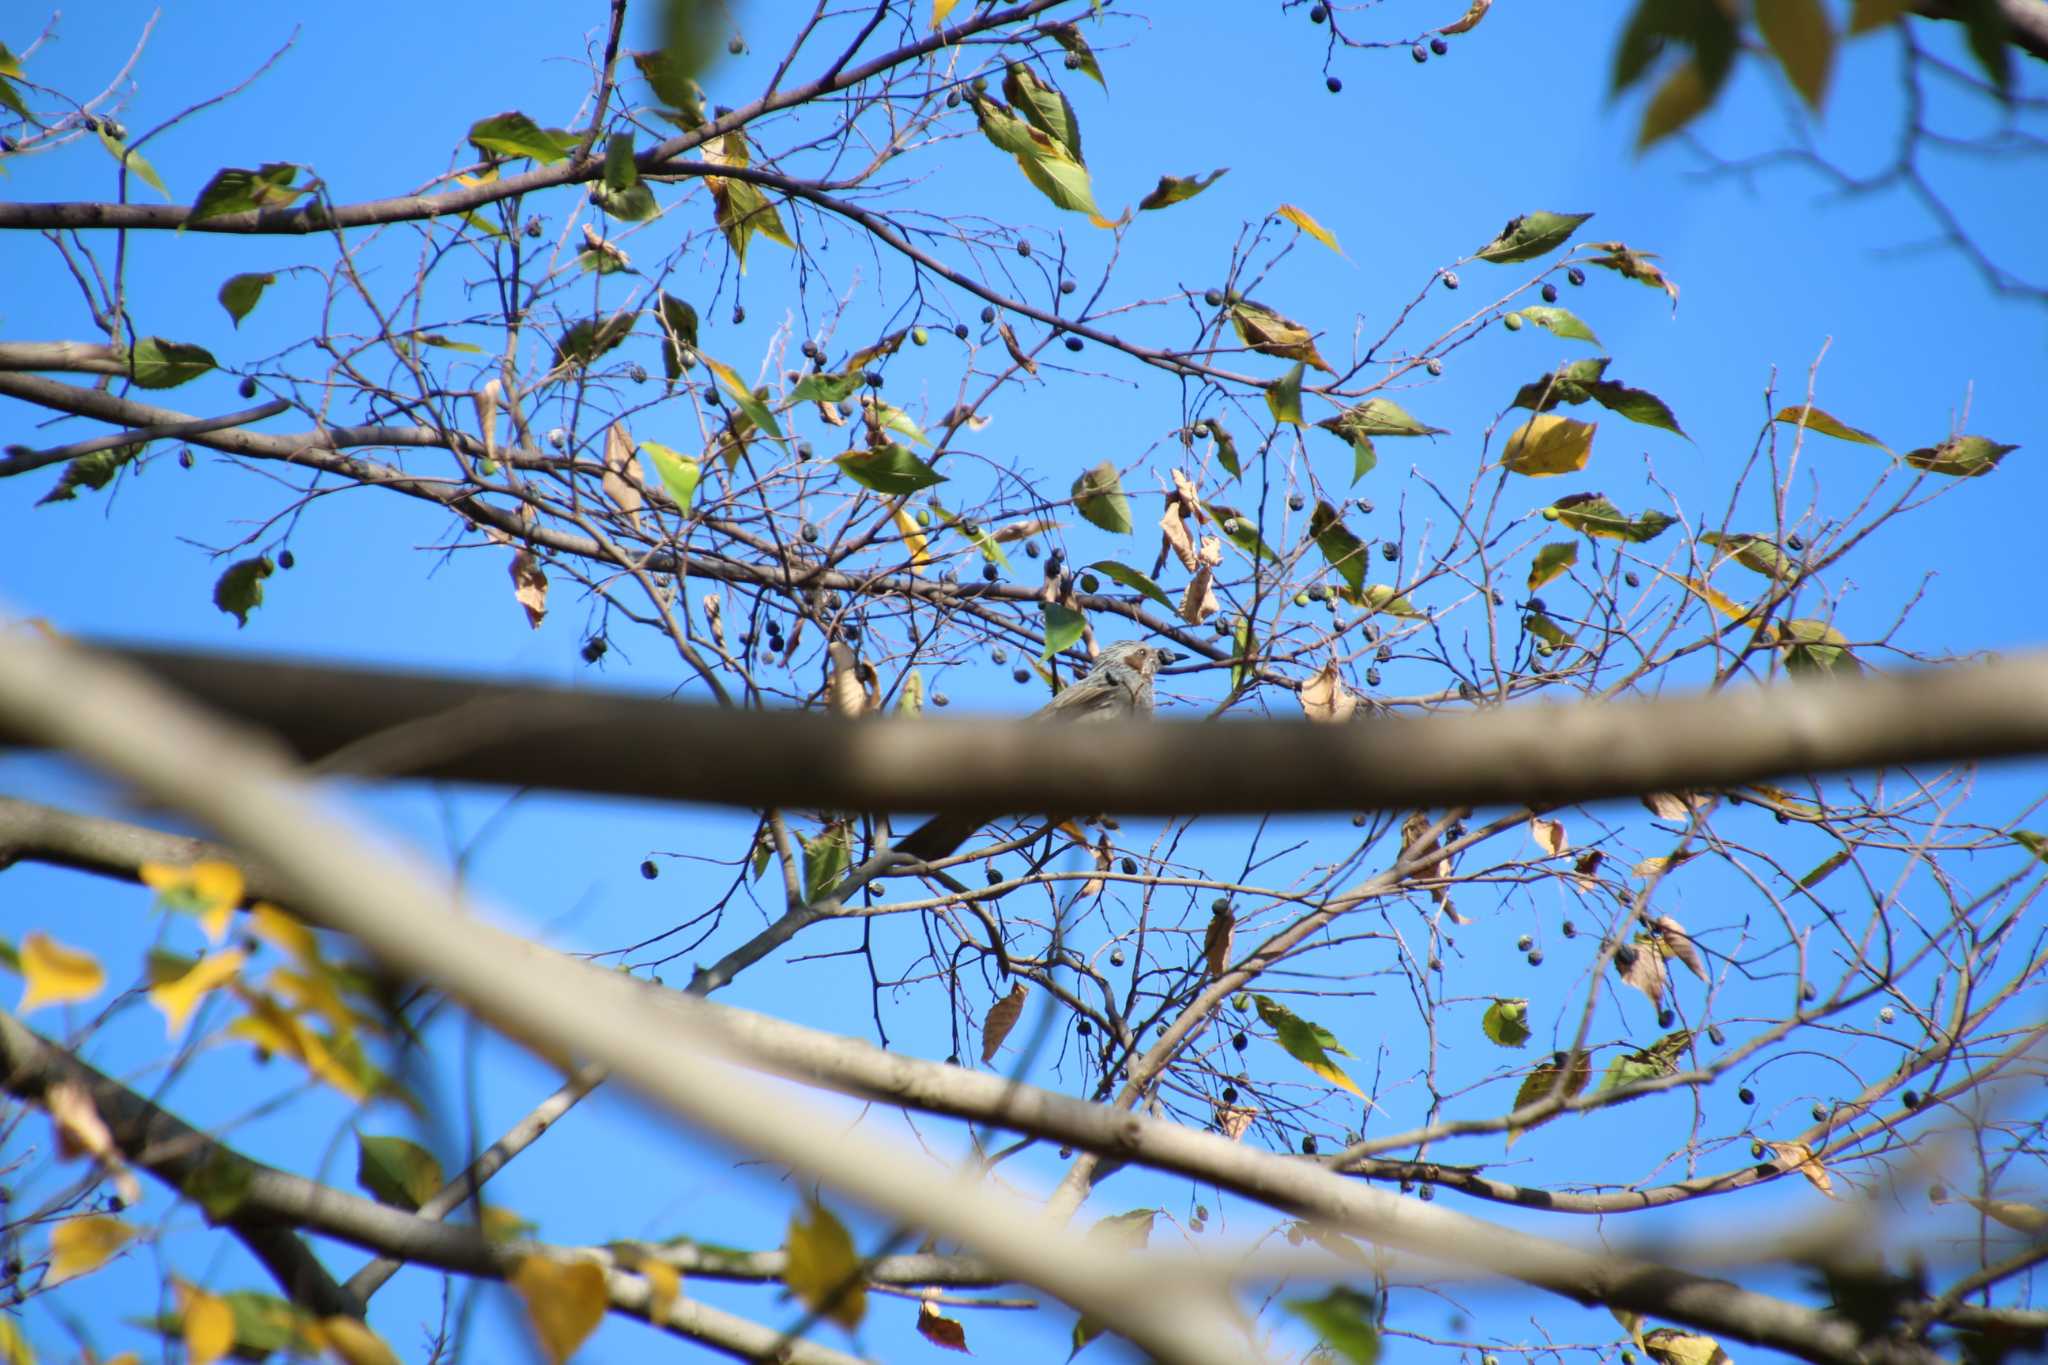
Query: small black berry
[988, 315]
[1575, 275]
[1524, 944]
[1240, 1042]
[1666, 1018]
[960, 330]
[739, 315]
[1022, 675]
[1130, 867]
[185, 458]
[1116, 958]
[1230, 1094]
[1296, 502]
[1308, 1144]
[1316, 14]
[1550, 293]
[1450, 279]
[803, 450]
[1911, 1099]
[810, 534]
[1716, 1037]
[1067, 286]
[1372, 679]
[1084, 1028]
[1439, 46]
[1213, 297]
[872, 378]
[1434, 366]
[1389, 551]
[1333, 85]
[287, 560]
[1632, 579]
[1073, 343]
[649, 870]
[1536, 958]
[1023, 246]
[1746, 1095]
[1419, 53]
[247, 388]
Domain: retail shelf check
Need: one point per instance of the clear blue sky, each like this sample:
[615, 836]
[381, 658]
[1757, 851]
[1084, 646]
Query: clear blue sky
[1411, 167]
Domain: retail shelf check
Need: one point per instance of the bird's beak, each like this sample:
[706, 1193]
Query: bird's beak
[1167, 656]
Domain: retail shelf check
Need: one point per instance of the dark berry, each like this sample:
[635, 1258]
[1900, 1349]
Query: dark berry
[1666, 1018]
[533, 227]
[803, 450]
[1625, 956]
[1550, 293]
[1419, 53]
[1439, 46]
[810, 534]
[1450, 279]
[1240, 1042]
[1067, 286]
[1807, 992]
[1023, 246]
[712, 396]
[736, 46]
[1524, 944]
[1116, 957]
[1230, 1094]
[1632, 579]
[1716, 1037]
[960, 331]
[1389, 551]
[739, 315]
[1073, 343]
[287, 560]
[1316, 14]
[1434, 366]
[1308, 1144]
[649, 870]
[1130, 867]
[1911, 1099]
[872, 378]
[988, 315]
[185, 458]
[1296, 502]
[1090, 583]
[812, 351]
[1575, 275]
[1536, 958]
[1213, 297]
[1536, 604]
[1385, 654]
[952, 99]
[991, 572]
[1820, 1113]
[941, 699]
[1372, 679]
[1570, 930]
[1084, 1028]
[1333, 85]
[1365, 507]
[247, 388]
[1792, 543]
[1022, 675]
[1746, 1095]
[1426, 1194]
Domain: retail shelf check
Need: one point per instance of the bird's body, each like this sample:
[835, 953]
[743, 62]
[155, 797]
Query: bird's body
[1119, 685]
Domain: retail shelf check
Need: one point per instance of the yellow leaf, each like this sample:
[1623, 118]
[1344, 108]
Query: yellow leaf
[208, 1323]
[1670, 1346]
[14, 1347]
[284, 933]
[315, 991]
[56, 974]
[352, 1342]
[913, 539]
[1549, 834]
[1302, 220]
[822, 1269]
[82, 1132]
[565, 1300]
[1548, 444]
[209, 890]
[1797, 1156]
[664, 1287]
[79, 1246]
[1715, 598]
[275, 1029]
[940, 9]
[1334, 1074]
[178, 998]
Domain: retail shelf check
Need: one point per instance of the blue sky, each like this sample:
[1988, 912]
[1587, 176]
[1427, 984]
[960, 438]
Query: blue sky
[1411, 167]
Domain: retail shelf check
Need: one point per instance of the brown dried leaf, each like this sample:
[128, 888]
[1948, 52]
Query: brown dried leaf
[715, 619]
[1190, 496]
[1325, 698]
[1175, 528]
[1093, 886]
[530, 586]
[939, 1330]
[82, 1132]
[621, 479]
[1024, 530]
[1676, 805]
[2031, 1219]
[1677, 943]
[844, 693]
[486, 399]
[1663, 863]
[1233, 1120]
[1585, 867]
[1549, 836]
[1000, 1019]
[1216, 943]
[1645, 970]
[1797, 1156]
[1472, 16]
[1017, 353]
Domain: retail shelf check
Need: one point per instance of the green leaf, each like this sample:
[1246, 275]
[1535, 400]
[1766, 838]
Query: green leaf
[482, 224]
[1567, 384]
[1530, 236]
[1638, 405]
[1551, 636]
[240, 294]
[1266, 332]
[1044, 160]
[239, 590]
[1343, 1318]
[678, 334]
[1178, 189]
[397, 1171]
[825, 859]
[1069, 37]
[239, 191]
[1506, 1023]
[1099, 496]
[514, 134]
[991, 548]
[1547, 445]
[1135, 581]
[1363, 458]
[679, 473]
[1240, 654]
[1226, 447]
[890, 469]
[740, 207]
[1594, 515]
[1283, 396]
[1308, 1043]
[621, 193]
[1640, 266]
[826, 387]
[1803, 41]
[1063, 627]
[1755, 553]
[1825, 869]
[436, 340]
[895, 419]
[1685, 94]
[1240, 530]
[1377, 417]
[670, 76]
[1815, 649]
[10, 65]
[1552, 560]
[1559, 322]
[587, 340]
[90, 471]
[1962, 457]
[1984, 24]
[1344, 550]
[2036, 844]
[1538, 1084]
[220, 1184]
[1827, 425]
[159, 364]
[1382, 597]
[1043, 106]
[1658, 1059]
[137, 165]
[743, 397]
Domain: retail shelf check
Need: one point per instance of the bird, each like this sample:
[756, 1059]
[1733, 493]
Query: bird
[1119, 685]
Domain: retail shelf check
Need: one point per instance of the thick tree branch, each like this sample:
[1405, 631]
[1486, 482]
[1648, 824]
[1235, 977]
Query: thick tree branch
[473, 731]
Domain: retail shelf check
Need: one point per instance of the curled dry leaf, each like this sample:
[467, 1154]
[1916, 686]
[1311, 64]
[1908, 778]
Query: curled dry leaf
[1412, 831]
[1174, 527]
[714, 618]
[1024, 530]
[1549, 836]
[844, 693]
[1233, 1120]
[1017, 353]
[1675, 942]
[1584, 869]
[1472, 16]
[1797, 1156]
[621, 479]
[1325, 698]
[1103, 859]
[1643, 968]
[1000, 1019]
[1216, 943]
[1675, 805]
[82, 1132]
[486, 399]
[939, 1329]
[530, 586]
